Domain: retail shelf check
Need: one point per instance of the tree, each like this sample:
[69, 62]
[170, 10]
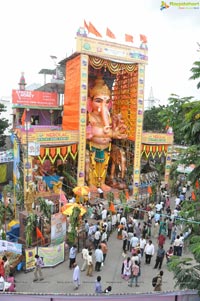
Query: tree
[196, 70]
[152, 122]
[4, 124]
[173, 115]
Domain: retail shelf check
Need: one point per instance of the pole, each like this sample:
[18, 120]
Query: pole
[27, 124]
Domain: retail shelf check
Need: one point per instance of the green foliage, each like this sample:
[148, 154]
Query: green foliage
[74, 221]
[110, 197]
[31, 223]
[196, 72]
[4, 124]
[122, 197]
[152, 122]
[45, 208]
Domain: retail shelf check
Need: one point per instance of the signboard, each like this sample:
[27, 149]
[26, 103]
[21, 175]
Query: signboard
[6, 156]
[55, 137]
[157, 138]
[30, 258]
[10, 247]
[52, 255]
[58, 228]
[35, 98]
[111, 50]
[33, 148]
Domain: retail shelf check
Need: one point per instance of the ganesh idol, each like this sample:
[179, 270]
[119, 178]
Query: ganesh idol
[101, 129]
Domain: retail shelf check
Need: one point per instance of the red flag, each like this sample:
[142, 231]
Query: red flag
[128, 38]
[149, 190]
[86, 26]
[197, 184]
[39, 234]
[110, 34]
[93, 30]
[143, 38]
[193, 196]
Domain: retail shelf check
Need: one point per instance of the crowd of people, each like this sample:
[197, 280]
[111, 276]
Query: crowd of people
[157, 222]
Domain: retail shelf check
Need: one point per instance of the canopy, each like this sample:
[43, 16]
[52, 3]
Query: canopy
[67, 209]
[81, 190]
[185, 169]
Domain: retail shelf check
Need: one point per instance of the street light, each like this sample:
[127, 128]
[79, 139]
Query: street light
[27, 164]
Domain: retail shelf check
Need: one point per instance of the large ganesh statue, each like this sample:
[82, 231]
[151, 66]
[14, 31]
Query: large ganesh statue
[101, 129]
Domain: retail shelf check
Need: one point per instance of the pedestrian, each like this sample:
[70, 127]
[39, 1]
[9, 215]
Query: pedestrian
[98, 287]
[124, 239]
[76, 276]
[87, 226]
[90, 265]
[177, 243]
[134, 274]
[2, 269]
[38, 268]
[170, 226]
[72, 255]
[97, 237]
[6, 266]
[142, 245]
[84, 253]
[169, 254]
[99, 259]
[159, 257]
[158, 286]
[104, 248]
[149, 251]
[126, 268]
[11, 279]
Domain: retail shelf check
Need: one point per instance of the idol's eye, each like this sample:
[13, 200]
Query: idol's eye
[98, 100]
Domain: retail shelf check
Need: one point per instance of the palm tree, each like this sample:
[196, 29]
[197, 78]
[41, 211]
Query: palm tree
[196, 72]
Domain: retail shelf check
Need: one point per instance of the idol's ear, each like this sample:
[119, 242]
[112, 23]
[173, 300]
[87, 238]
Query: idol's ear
[89, 104]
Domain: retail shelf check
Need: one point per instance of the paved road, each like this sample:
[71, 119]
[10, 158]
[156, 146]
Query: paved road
[59, 279]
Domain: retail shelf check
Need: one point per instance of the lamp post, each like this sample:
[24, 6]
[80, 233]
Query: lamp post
[27, 128]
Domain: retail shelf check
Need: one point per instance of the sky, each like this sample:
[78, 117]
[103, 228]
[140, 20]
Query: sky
[32, 31]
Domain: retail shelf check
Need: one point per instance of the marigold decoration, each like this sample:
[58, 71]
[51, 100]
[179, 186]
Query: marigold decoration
[197, 184]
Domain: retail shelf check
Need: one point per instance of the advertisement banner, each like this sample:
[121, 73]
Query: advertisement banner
[10, 247]
[30, 258]
[52, 255]
[58, 228]
[35, 98]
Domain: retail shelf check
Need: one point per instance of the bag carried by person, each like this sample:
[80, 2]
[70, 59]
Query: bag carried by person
[154, 281]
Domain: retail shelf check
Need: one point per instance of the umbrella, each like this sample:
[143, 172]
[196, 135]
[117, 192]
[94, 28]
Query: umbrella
[67, 209]
[81, 190]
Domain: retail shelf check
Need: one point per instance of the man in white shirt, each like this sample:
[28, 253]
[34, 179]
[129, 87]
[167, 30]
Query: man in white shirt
[97, 236]
[104, 214]
[149, 251]
[99, 259]
[134, 241]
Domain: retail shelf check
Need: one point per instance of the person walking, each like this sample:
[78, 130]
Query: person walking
[142, 245]
[158, 286]
[104, 248]
[72, 256]
[38, 268]
[6, 266]
[125, 240]
[149, 251]
[135, 269]
[98, 286]
[84, 253]
[76, 276]
[99, 259]
[89, 265]
[159, 258]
